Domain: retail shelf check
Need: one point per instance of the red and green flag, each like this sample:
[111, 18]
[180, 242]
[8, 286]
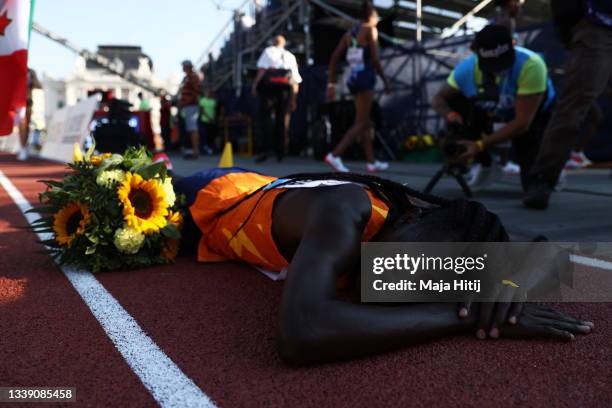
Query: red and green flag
[15, 27]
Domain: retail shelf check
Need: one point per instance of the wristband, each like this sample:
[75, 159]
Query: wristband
[452, 116]
[481, 145]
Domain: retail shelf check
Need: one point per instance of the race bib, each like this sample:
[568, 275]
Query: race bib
[354, 57]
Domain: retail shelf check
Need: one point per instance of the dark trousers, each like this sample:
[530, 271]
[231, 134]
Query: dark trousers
[527, 147]
[166, 134]
[208, 134]
[274, 108]
[588, 72]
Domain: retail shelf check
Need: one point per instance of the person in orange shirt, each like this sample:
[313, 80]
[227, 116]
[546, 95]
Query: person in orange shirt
[309, 228]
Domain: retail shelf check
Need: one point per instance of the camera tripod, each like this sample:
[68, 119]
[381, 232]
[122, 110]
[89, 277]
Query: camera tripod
[454, 170]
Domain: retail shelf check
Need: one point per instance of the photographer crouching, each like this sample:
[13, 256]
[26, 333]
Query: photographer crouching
[501, 91]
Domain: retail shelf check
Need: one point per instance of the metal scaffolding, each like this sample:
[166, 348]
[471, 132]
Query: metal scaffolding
[114, 67]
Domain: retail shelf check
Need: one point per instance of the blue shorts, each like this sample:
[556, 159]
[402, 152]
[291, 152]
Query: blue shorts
[191, 113]
[362, 81]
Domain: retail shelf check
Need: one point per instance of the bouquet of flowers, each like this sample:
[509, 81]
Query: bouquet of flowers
[112, 211]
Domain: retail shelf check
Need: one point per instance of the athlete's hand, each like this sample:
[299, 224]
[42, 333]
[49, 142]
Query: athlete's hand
[506, 308]
[471, 150]
[331, 92]
[387, 88]
[538, 321]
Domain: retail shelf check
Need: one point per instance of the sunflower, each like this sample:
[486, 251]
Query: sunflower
[70, 221]
[175, 218]
[96, 160]
[144, 203]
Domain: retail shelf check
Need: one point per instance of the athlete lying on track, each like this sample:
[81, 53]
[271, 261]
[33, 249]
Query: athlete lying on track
[313, 226]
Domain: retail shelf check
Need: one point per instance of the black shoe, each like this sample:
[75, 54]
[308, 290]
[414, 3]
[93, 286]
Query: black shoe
[537, 196]
[190, 156]
[279, 158]
[261, 158]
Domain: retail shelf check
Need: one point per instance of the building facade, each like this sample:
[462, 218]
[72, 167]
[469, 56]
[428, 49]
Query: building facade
[89, 76]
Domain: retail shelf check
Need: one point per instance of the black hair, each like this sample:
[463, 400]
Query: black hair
[367, 9]
[502, 3]
[470, 219]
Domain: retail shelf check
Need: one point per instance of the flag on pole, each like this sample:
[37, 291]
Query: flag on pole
[15, 26]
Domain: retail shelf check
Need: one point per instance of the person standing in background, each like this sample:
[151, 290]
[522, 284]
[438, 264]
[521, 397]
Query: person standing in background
[361, 48]
[208, 121]
[165, 121]
[25, 117]
[506, 14]
[143, 103]
[277, 86]
[189, 109]
[586, 28]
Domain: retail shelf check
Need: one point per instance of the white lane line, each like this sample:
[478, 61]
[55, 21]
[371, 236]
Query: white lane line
[168, 385]
[592, 262]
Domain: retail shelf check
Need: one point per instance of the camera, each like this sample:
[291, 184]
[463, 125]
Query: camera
[450, 137]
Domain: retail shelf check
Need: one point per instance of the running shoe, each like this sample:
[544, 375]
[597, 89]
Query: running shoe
[376, 166]
[562, 182]
[22, 155]
[480, 177]
[511, 169]
[578, 160]
[336, 163]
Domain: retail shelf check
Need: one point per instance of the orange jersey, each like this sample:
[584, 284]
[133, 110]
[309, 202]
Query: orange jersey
[245, 232]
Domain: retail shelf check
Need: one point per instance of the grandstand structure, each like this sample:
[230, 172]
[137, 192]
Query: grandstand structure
[313, 27]
[421, 41]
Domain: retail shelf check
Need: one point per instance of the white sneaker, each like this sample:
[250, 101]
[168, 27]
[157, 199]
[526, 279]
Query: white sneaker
[481, 177]
[376, 166]
[562, 182]
[336, 163]
[512, 169]
[22, 155]
[578, 160]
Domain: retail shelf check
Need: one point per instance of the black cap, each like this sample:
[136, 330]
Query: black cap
[495, 48]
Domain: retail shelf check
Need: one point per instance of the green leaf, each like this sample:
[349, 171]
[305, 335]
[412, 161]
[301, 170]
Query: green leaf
[170, 231]
[90, 150]
[151, 170]
[114, 160]
[90, 250]
[52, 183]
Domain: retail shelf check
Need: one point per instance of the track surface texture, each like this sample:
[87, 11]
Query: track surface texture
[218, 324]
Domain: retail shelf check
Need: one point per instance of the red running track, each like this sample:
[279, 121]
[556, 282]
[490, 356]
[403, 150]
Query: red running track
[218, 324]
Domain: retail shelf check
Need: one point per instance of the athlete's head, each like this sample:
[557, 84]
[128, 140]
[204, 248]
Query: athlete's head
[511, 7]
[369, 13]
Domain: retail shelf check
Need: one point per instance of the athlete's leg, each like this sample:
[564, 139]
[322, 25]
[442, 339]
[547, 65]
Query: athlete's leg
[363, 105]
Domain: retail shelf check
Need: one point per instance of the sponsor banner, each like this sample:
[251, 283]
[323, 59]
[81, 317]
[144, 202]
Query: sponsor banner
[68, 126]
[486, 272]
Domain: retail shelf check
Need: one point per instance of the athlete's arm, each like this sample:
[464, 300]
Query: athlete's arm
[260, 74]
[316, 327]
[373, 43]
[336, 56]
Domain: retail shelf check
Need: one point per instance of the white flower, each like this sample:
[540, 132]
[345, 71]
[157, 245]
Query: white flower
[128, 240]
[108, 177]
[169, 190]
